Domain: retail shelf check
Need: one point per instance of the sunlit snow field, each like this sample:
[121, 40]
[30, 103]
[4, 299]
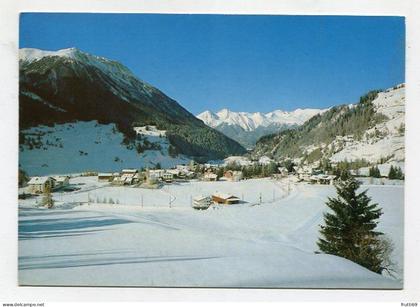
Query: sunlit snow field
[155, 238]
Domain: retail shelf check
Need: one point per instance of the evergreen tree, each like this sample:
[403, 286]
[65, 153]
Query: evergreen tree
[22, 177]
[392, 173]
[398, 173]
[349, 230]
[395, 173]
[374, 172]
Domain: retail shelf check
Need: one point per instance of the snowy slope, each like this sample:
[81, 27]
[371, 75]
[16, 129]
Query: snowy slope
[251, 121]
[385, 140]
[246, 245]
[68, 85]
[83, 146]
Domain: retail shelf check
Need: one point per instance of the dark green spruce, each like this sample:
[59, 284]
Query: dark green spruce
[349, 229]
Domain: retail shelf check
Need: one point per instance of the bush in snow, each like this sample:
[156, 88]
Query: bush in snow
[47, 199]
[349, 230]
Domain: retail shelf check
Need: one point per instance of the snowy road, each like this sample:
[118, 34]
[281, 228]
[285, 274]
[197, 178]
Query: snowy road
[271, 245]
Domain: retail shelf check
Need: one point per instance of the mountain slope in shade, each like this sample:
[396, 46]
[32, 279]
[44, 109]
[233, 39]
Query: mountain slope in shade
[247, 128]
[70, 85]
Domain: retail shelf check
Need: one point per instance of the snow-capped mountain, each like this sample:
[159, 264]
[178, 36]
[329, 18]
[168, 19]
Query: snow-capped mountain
[247, 128]
[251, 121]
[68, 86]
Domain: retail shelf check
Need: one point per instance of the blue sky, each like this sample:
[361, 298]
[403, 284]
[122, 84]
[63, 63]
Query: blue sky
[244, 63]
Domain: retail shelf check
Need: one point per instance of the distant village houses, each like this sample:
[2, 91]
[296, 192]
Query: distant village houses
[233, 175]
[210, 176]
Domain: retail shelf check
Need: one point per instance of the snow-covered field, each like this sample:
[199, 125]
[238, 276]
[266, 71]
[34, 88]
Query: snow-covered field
[82, 146]
[155, 238]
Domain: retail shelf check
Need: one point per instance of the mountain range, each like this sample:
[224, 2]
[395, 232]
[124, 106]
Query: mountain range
[57, 87]
[247, 128]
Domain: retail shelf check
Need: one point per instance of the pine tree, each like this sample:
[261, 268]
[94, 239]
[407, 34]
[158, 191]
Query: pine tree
[392, 173]
[399, 173]
[374, 172]
[349, 230]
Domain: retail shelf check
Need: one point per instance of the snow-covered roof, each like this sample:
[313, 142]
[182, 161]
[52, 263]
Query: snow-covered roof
[225, 196]
[105, 174]
[210, 175]
[129, 170]
[39, 180]
[201, 197]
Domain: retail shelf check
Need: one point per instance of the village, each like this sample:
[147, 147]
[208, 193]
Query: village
[195, 209]
[233, 169]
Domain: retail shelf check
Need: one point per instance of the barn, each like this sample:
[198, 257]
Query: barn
[224, 198]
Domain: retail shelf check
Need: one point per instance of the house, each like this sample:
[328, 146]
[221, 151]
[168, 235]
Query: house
[174, 172]
[154, 175]
[210, 176]
[224, 198]
[106, 176]
[183, 168]
[61, 181]
[192, 165]
[233, 175]
[201, 202]
[304, 173]
[129, 176]
[322, 179]
[167, 177]
[38, 185]
[189, 174]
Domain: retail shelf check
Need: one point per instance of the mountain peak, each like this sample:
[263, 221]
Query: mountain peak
[33, 54]
[251, 121]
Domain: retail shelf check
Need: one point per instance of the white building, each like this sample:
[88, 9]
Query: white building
[168, 177]
[183, 168]
[106, 176]
[39, 185]
[202, 202]
[61, 181]
[322, 179]
[233, 175]
[154, 175]
[210, 176]
[304, 173]
[129, 177]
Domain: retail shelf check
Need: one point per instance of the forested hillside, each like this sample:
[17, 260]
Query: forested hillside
[325, 135]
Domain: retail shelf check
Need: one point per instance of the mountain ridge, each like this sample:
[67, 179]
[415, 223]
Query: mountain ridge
[67, 85]
[247, 128]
